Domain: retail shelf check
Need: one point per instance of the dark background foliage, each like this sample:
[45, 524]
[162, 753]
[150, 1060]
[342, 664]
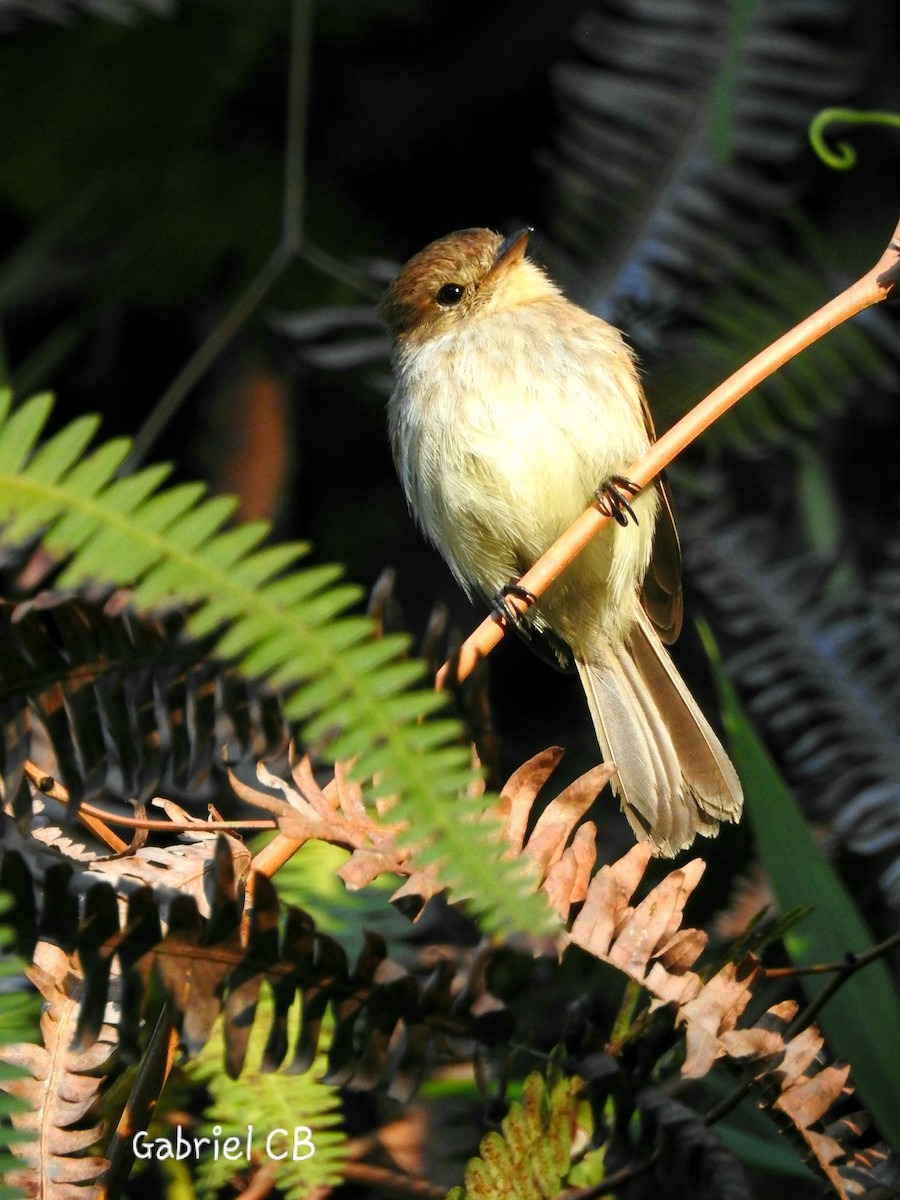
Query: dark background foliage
[661, 157]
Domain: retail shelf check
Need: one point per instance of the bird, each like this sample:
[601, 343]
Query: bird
[512, 410]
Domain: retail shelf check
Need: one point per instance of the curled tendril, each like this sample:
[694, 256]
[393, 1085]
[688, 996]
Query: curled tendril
[842, 157]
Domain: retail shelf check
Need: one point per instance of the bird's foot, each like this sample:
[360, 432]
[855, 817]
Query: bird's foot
[612, 500]
[507, 613]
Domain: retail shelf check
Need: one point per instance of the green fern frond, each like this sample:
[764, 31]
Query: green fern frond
[677, 121]
[291, 627]
[311, 881]
[19, 1023]
[819, 661]
[530, 1158]
[274, 1103]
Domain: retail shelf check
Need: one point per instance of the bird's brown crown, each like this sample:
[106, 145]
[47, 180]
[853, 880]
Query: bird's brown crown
[458, 277]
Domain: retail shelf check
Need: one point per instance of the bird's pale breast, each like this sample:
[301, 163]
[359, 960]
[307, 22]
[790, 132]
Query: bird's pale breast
[518, 418]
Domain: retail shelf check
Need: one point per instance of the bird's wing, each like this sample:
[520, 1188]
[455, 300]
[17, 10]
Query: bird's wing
[661, 591]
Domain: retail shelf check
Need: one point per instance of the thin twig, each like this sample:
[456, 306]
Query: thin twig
[614, 1181]
[96, 819]
[280, 258]
[732, 1100]
[93, 820]
[262, 1184]
[340, 271]
[203, 358]
[292, 216]
[846, 966]
[843, 971]
[871, 288]
[392, 1183]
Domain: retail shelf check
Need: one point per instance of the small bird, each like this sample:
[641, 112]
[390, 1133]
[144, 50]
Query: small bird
[512, 410]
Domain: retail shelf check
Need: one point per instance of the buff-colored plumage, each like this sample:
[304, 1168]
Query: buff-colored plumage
[511, 407]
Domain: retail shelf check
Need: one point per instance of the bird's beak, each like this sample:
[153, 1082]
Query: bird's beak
[511, 249]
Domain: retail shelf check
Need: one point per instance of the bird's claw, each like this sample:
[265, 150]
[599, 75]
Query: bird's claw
[507, 613]
[612, 501]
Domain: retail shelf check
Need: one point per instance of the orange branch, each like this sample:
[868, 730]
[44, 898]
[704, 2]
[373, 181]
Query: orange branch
[92, 819]
[96, 820]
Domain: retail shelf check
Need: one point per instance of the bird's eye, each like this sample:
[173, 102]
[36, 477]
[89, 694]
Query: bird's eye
[450, 294]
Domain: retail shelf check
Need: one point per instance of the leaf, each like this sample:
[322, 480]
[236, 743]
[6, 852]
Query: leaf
[818, 654]
[19, 1023]
[677, 124]
[629, 938]
[564, 867]
[351, 691]
[218, 959]
[689, 1157]
[60, 1088]
[862, 1020]
[530, 1158]
[276, 1105]
[647, 943]
[128, 704]
[184, 868]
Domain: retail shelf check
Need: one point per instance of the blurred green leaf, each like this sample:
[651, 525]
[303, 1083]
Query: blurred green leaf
[862, 1020]
[131, 110]
[19, 1022]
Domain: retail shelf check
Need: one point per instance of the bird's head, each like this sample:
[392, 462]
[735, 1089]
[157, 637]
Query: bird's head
[459, 278]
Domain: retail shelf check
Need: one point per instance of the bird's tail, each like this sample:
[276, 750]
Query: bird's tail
[673, 778]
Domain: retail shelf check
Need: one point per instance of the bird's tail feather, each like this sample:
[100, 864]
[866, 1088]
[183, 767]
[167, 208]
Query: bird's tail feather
[673, 778]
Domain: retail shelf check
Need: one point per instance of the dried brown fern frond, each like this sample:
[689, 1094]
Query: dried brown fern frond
[646, 941]
[61, 1088]
[113, 702]
[213, 951]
